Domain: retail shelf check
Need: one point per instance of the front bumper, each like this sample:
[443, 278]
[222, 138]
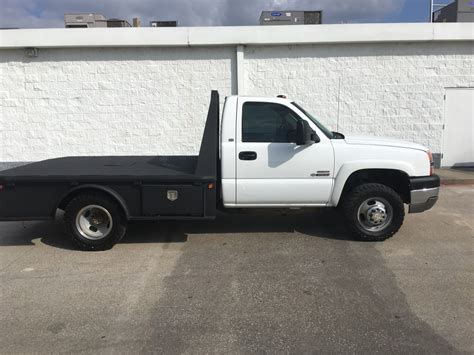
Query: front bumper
[424, 192]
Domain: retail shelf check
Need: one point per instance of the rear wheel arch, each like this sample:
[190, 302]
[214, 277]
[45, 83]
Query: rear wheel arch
[397, 180]
[93, 190]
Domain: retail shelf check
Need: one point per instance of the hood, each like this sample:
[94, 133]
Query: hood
[387, 142]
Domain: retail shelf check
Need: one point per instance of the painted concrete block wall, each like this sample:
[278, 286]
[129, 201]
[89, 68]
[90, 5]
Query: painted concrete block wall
[140, 101]
[393, 90]
[147, 101]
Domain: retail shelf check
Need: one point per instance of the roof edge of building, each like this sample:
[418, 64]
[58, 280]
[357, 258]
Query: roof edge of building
[245, 35]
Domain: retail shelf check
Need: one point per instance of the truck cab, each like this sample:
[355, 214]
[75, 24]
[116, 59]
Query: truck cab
[264, 165]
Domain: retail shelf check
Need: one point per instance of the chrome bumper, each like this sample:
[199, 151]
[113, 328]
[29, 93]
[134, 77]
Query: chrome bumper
[422, 200]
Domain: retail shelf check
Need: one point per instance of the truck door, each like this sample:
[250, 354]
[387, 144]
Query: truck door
[271, 170]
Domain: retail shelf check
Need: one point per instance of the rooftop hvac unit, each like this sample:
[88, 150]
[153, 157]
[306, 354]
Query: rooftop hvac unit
[312, 18]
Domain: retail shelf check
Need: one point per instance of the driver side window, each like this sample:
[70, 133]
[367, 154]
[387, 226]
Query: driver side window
[266, 122]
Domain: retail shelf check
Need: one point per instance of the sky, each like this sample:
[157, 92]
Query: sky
[50, 13]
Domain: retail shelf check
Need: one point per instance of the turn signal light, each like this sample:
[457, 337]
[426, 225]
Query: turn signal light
[430, 157]
[210, 186]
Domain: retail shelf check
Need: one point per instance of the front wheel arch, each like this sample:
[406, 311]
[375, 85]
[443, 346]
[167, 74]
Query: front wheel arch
[397, 180]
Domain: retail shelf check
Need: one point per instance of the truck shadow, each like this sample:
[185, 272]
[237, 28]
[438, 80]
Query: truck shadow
[325, 224]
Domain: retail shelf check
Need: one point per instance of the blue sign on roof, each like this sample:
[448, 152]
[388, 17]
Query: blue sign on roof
[276, 14]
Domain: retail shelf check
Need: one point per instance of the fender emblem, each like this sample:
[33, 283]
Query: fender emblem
[322, 173]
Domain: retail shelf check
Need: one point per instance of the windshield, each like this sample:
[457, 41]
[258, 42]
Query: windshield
[326, 131]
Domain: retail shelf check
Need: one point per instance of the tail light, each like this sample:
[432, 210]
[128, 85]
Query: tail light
[430, 158]
[2, 187]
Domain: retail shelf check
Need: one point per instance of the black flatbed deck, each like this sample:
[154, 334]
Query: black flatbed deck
[109, 168]
[141, 185]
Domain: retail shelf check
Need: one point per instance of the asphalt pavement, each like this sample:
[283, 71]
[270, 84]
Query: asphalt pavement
[254, 283]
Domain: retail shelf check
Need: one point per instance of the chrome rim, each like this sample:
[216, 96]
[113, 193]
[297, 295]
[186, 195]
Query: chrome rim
[94, 222]
[374, 214]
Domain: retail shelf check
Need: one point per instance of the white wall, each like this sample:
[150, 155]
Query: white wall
[108, 101]
[83, 100]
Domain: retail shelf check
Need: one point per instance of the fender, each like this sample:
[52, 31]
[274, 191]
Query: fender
[349, 168]
[102, 188]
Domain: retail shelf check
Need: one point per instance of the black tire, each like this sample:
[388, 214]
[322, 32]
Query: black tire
[373, 196]
[112, 217]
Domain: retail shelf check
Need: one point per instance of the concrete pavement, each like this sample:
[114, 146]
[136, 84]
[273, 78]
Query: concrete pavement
[456, 176]
[249, 283]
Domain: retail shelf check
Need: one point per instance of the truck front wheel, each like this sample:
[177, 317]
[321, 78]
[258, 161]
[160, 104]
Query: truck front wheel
[375, 212]
[94, 222]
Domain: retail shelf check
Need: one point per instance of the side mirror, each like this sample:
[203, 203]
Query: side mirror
[305, 134]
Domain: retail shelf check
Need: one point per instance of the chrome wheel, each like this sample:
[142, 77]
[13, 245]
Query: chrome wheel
[94, 222]
[374, 214]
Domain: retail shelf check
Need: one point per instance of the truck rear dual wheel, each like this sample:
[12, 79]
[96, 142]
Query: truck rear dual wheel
[375, 212]
[94, 222]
